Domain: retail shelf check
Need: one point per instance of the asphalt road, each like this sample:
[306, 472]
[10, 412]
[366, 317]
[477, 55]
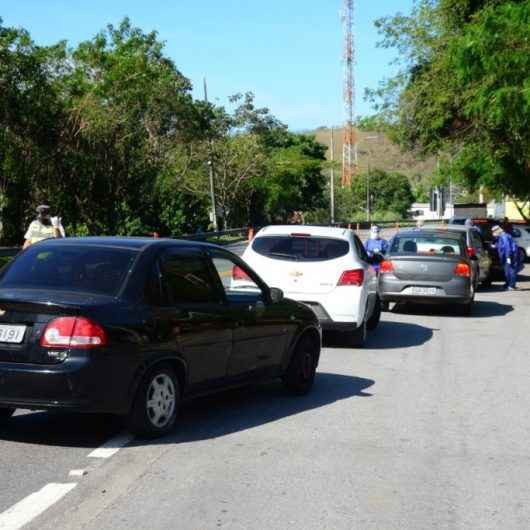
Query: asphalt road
[426, 427]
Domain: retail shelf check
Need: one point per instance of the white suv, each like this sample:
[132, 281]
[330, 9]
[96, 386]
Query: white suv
[325, 268]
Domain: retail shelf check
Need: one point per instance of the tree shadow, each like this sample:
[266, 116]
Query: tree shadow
[248, 407]
[481, 309]
[62, 429]
[388, 335]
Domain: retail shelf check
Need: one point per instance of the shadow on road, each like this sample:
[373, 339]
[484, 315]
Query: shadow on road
[245, 408]
[204, 418]
[61, 429]
[388, 335]
[482, 309]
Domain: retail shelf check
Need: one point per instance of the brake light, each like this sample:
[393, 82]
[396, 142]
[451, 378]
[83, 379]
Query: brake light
[299, 234]
[353, 277]
[386, 267]
[471, 252]
[73, 332]
[239, 274]
[463, 269]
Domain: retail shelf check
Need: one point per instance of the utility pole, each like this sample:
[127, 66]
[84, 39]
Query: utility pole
[210, 170]
[332, 180]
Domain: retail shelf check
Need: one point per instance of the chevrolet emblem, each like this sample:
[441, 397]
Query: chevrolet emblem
[296, 274]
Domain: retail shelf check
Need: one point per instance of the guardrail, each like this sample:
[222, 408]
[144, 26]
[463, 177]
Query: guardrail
[8, 252]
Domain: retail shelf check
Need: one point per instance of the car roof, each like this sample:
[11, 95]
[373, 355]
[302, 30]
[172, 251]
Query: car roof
[452, 234]
[322, 231]
[132, 243]
[451, 228]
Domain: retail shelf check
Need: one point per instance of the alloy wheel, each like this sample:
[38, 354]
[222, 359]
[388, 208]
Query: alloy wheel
[160, 400]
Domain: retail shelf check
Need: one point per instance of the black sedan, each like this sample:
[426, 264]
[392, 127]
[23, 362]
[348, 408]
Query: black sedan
[133, 326]
[428, 266]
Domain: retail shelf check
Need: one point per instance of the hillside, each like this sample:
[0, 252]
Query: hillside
[378, 153]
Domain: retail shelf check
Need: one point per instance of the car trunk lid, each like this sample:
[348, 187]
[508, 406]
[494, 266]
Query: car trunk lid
[424, 268]
[24, 314]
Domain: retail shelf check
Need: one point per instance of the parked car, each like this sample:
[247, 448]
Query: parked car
[133, 326]
[521, 234]
[476, 248]
[428, 266]
[484, 225]
[325, 268]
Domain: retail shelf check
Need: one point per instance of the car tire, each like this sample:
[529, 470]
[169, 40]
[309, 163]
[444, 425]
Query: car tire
[156, 404]
[487, 282]
[300, 374]
[466, 309]
[373, 321]
[357, 338]
[5, 414]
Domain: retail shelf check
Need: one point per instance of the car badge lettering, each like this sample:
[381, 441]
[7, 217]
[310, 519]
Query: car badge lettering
[424, 268]
[296, 274]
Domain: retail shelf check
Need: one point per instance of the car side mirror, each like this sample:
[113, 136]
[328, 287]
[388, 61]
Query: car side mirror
[276, 295]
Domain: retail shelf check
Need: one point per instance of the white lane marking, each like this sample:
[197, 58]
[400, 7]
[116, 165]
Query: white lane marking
[78, 473]
[33, 505]
[112, 446]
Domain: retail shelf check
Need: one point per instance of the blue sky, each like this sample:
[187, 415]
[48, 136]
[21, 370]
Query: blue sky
[288, 52]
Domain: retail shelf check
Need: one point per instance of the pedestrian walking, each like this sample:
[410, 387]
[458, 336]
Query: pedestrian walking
[43, 227]
[508, 255]
[376, 245]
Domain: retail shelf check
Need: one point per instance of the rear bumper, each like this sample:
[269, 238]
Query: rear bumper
[457, 290]
[76, 384]
[341, 308]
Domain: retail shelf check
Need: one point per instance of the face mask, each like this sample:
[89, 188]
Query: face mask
[45, 220]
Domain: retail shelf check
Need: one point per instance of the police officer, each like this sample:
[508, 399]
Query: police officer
[43, 227]
[508, 255]
[376, 245]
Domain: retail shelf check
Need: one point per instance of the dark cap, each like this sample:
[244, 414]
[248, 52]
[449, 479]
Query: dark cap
[42, 208]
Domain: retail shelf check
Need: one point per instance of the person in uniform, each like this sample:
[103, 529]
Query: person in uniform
[43, 227]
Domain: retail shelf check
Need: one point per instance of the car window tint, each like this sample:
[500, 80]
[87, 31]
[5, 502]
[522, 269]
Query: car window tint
[153, 288]
[83, 268]
[476, 240]
[186, 280]
[300, 248]
[234, 278]
[426, 245]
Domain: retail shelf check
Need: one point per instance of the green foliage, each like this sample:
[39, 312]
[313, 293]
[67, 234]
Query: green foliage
[464, 89]
[110, 136]
[390, 197]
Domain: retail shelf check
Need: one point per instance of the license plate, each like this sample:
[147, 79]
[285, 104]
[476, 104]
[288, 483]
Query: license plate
[424, 291]
[12, 334]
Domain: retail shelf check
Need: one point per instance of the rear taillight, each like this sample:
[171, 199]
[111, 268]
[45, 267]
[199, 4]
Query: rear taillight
[386, 267]
[73, 332]
[471, 252]
[463, 269]
[353, 277]
[239, 274]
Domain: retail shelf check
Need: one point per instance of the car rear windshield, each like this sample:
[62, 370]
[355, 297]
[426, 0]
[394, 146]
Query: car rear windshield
[300, 248]
[427, 245]
[70, 268]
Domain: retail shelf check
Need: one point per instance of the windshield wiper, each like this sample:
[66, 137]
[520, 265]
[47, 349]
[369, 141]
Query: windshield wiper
[280, 255]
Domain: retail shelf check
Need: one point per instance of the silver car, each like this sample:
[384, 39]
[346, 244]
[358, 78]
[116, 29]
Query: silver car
[428, 266]
[476, 249]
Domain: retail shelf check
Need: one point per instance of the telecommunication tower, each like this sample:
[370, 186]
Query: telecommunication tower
[349, 154]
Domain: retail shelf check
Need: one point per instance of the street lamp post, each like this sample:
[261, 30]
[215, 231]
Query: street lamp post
[368, 196]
